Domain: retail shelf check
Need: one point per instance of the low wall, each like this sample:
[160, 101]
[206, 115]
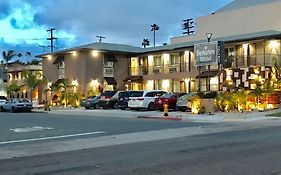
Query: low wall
[208, 105]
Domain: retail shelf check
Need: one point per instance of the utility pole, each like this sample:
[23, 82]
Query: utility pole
[52, 38]
[100, 38]
[188, 26]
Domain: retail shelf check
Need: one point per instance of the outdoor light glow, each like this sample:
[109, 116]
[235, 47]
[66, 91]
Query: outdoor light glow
[95, 53]
[49, 57]
[74, 53]
[273, 44]
[49, 85]
[150, 84]
[150, 60]
[74, 83]
[94, 83]
[166, 85]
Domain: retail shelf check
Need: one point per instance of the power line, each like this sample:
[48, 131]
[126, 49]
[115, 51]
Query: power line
[52, 38]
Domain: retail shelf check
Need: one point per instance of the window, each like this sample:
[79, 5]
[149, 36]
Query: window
[214, 84]
[157, 60]
[174, 59]
[203, 85]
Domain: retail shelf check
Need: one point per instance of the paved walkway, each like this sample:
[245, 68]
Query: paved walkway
[215, 118]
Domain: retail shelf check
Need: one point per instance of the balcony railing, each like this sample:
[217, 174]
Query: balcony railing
[252, 60]
[162, 69]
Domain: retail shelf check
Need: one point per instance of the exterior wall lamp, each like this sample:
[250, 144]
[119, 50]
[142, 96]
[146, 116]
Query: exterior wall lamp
[209, 36]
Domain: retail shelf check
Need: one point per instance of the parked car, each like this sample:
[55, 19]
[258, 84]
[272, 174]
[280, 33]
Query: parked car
[3, 99]
[107, 99]
[184, 102]
[144, 99]
[170, 99]
[123, 99]
[16, 105]
[90, 102]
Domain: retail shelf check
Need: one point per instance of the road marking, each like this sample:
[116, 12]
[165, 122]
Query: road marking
[50, 138]
[30, 129]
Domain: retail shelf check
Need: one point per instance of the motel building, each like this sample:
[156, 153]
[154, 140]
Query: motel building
[231, 48]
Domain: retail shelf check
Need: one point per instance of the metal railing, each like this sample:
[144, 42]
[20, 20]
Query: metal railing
[252, 60]
[162, 69]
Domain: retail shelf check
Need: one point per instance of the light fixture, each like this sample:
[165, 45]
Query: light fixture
[74, 83]
[94, 83]
[209, 36]
[49, 57]
[74, 53]
[273, 44]
[95, 53]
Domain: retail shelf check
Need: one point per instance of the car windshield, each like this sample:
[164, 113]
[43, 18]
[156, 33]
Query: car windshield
[167, 96]
[137, 94]
[23, 101]
[108, 93]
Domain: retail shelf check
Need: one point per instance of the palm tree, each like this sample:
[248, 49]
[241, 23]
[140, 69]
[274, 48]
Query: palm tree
[154, 28]
[12, 89]
[7, 56]
[32, 80]
[145, 43]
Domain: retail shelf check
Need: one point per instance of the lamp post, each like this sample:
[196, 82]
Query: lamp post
[209, 36]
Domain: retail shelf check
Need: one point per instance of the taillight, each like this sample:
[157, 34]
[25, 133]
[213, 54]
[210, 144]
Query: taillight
[99, 97]
[140, 99]
[107, 97]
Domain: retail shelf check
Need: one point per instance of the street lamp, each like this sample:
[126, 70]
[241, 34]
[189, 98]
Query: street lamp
[209, 36]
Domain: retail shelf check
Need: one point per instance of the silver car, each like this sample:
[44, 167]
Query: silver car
[184, 102]
[16, 105]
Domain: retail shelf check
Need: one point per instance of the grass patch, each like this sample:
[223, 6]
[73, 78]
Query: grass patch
[278, 114]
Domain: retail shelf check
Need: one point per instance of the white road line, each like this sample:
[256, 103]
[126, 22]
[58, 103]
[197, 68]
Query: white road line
[50, 138]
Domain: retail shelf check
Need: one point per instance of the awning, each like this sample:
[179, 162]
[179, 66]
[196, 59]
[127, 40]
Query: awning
[133, 78]
[59, 59]
[206, 74]
[110, 80]
[110, 58]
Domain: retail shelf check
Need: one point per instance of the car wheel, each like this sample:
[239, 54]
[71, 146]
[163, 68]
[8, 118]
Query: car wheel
[123, 108]
[87, 108]
[115, 106]
[14, 109]
[183, 110]
[2, 109]
[151, 107]
[96, 106]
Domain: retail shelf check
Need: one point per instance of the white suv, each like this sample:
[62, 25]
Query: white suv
[144, 99]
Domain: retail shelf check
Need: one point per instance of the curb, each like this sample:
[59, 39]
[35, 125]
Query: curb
[173, 118]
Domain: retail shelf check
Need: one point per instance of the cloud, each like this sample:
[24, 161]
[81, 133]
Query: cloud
[78, 22]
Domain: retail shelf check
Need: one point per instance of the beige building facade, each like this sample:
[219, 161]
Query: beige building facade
[250, 46]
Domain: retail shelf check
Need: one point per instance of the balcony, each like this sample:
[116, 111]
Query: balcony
[162, 69]
[252, 60]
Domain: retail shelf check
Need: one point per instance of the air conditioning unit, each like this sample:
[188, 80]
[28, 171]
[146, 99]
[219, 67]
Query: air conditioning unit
[156, 70]
[108, 64]
[108, 72]
[173, 69]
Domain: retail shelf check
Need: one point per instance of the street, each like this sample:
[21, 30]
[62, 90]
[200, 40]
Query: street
[135, 146]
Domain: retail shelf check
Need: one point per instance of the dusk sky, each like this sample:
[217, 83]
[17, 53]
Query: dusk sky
[24, 22]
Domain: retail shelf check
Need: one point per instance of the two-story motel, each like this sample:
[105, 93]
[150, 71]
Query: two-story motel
[244, 45]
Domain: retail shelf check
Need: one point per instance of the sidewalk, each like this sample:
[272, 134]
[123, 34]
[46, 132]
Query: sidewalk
[215, 118]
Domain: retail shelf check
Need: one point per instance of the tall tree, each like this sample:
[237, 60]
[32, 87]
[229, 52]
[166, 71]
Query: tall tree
[154, 28]
[7, 56]
[32, 80]
[145, 43]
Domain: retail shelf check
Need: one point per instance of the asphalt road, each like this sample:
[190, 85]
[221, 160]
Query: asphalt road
[251, 152]
[63, 125]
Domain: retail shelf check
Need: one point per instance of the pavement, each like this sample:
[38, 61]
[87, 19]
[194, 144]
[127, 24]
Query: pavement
[177, 116]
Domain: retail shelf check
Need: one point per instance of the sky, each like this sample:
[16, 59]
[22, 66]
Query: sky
[23, 23]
